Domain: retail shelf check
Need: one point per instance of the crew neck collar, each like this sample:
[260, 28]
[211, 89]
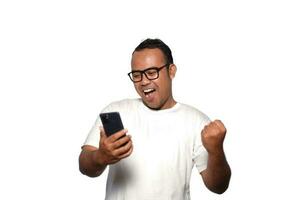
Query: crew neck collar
[167, 110]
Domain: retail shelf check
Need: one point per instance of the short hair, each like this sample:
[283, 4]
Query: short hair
[156, 43]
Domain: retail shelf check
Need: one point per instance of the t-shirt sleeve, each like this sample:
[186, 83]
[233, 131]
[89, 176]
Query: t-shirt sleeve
[200, 155]
[93, 137]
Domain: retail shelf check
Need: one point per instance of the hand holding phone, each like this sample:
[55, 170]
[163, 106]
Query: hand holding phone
[114, 143]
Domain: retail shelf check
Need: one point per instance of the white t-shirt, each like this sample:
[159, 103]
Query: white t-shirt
[166, 145]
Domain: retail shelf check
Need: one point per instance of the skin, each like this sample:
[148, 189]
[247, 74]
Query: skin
[217, 175]
[163, 98]
[93, 161]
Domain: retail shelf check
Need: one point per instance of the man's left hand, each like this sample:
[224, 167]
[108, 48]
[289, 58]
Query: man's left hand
[213, 136]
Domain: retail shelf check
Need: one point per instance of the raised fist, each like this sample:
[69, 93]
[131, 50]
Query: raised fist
[213, 135]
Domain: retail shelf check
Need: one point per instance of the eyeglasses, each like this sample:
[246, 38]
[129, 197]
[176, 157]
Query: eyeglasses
[151, 73]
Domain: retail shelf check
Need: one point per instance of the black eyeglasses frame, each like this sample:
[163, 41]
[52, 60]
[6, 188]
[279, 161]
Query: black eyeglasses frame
[144, 72]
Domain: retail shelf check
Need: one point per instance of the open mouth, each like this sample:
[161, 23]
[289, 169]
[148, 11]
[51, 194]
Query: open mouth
[148, 92]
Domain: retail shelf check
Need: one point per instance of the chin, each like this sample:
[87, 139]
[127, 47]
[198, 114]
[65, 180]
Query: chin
[152, 106]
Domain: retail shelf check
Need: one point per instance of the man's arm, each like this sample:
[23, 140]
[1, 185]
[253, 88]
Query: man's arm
[93, 161]
[89, 163]
[217, 175]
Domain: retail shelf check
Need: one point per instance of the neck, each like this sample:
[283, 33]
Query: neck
[169, 103]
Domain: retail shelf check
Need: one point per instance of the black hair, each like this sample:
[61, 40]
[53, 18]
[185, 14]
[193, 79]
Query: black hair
[156, 43]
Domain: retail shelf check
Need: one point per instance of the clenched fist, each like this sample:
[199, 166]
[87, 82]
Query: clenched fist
[213, 136]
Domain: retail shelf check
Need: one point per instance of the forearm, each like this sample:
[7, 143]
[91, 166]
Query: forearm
[217, 175]
[88, 164]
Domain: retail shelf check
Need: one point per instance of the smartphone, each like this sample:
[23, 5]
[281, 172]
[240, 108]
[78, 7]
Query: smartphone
[111, 122]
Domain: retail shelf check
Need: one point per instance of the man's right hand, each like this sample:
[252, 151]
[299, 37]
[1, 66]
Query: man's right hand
[113, 148]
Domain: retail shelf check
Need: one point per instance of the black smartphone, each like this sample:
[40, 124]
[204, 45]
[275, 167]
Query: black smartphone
[111, 122]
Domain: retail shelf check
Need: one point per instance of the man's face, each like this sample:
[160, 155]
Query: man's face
[156, 94]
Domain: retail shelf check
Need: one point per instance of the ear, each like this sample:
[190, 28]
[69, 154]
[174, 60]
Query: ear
[172, 70]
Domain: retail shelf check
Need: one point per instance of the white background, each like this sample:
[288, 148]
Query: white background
[63, 61]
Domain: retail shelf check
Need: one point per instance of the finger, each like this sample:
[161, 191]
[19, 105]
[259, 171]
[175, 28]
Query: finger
[102, 132]
[121, 141]
[218, 122]
[124, 149]
[220, 125]
[117, 135]
[205, 128]
[127, 154]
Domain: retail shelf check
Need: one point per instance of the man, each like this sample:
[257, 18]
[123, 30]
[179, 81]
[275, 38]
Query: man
[153, 158]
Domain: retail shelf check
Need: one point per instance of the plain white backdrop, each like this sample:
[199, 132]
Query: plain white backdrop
[62, 61]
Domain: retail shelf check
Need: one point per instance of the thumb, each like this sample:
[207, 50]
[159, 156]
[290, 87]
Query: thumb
[102, 132]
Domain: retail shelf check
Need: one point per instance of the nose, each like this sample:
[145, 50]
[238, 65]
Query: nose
[145, 80]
